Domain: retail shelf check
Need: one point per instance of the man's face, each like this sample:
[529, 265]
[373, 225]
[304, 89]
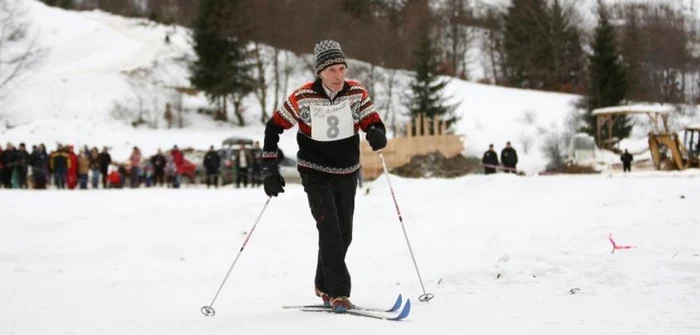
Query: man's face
[333, 77]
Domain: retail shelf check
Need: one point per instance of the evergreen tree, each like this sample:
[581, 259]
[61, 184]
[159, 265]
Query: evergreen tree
[360, 9]
[567, 67]
[526, 26]
[427, 88]
[607, 78]
[65, 4]
[222, 69]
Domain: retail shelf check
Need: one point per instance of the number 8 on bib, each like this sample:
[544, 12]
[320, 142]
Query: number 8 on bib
[332, 123]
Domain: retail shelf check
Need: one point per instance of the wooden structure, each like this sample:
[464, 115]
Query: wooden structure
[400, 150]
[667, 151]
[606, 117]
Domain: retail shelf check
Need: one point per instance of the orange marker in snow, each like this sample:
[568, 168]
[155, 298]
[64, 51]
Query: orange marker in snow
[615, 246]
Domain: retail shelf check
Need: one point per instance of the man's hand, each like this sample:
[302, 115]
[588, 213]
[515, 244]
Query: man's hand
[376, 138]
[273, 184]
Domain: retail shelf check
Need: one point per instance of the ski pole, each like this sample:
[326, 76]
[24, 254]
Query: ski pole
[209, 310]
[425, 297]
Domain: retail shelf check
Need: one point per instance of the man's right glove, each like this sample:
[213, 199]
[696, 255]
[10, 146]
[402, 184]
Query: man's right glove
[273, 183]
[376, 138]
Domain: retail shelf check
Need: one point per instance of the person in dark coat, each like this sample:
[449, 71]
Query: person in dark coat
[212, 161]
[22, 161]
[509, 158]
[490, 160]
[626, 159]
[40, 166]
[104, 160]
[8, 164]
[158, 161]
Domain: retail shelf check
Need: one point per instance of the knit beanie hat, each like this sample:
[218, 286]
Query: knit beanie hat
[328, 53]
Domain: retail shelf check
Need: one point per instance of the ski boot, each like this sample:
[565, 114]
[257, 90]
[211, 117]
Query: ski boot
[324, 297]
[341, 304]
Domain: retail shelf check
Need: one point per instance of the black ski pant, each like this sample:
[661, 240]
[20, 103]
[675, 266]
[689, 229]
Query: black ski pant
[158, 176]
[103, 172]
[23, 170]
[242, 176]
[332, 204]
[213, 178]
[7, 176]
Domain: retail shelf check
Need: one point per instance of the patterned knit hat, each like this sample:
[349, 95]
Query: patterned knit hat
[328, 53]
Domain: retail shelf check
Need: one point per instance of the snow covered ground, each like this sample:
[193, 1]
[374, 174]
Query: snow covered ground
[145, 261]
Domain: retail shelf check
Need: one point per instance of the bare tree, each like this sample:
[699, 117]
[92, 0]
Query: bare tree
[288, 68]
[553, 148]
[389, 107]
[658, 46]
[457, 19]
[238, 109]
[18, 47]
[492, 44]
[260, 77]
[149, 97]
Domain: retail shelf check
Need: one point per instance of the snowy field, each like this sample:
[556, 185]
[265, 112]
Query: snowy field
[145, 261]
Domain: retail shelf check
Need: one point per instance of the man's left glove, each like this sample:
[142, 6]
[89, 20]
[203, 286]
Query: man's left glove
[376, 138]
[273, 183]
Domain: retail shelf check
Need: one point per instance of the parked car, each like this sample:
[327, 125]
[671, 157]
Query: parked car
[230, 149]
[582, 150]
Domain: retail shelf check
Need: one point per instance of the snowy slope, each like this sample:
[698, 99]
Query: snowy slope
[88, 59]
[85, 55]
[133, 262]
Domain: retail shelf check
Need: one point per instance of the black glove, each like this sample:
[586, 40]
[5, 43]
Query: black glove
[376, 138]
[274, 184]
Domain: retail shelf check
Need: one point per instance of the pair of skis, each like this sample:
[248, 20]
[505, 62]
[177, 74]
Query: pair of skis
[394, 313]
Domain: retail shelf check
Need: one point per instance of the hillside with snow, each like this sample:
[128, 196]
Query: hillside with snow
[96, 72]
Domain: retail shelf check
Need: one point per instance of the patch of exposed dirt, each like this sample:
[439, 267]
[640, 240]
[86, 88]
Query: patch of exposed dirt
[572, 169]
[435, 164]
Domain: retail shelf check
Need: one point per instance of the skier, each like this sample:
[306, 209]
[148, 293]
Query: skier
[329, 112]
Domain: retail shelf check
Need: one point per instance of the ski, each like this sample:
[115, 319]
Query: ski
[365, 313]
[394, 308]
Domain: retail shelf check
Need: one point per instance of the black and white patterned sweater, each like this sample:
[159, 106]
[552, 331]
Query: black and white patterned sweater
[333, 147]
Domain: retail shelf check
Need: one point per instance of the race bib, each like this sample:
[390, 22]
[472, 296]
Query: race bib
[332, 123]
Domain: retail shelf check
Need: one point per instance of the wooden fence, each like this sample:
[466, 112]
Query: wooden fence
[417, 141]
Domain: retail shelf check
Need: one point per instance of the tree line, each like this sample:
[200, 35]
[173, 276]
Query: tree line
[636, 51]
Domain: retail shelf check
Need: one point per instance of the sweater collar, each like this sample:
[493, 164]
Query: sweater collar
[318, 87]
